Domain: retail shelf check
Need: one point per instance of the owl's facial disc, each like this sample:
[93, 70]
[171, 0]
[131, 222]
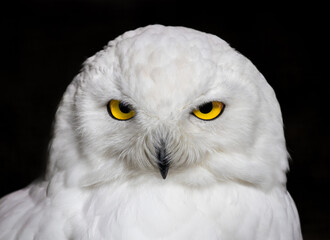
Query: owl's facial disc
[167, 143]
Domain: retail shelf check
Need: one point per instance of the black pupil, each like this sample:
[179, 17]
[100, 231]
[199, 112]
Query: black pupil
[206, 108]
[124, 108]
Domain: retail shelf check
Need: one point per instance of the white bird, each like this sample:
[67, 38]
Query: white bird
[167, 133]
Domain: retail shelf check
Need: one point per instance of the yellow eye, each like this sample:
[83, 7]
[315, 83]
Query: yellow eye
[209, 111]
[119, 110]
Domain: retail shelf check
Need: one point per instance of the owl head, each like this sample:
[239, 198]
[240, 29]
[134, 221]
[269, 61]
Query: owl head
[168, 104]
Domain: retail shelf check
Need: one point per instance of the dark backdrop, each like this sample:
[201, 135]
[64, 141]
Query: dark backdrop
[43, 44]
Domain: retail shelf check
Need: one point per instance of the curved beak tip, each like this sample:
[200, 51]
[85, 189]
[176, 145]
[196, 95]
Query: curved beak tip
[163, 162]
[163, 170]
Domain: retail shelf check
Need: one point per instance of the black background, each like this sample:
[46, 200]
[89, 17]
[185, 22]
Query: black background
[43, 44]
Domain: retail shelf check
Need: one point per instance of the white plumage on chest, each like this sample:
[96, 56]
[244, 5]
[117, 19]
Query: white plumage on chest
[150, 211]
[172, 212]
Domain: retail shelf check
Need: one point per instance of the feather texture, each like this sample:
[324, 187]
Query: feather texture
[226, 177]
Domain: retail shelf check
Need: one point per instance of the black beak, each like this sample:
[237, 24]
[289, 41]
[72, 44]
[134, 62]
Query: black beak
[163, 163]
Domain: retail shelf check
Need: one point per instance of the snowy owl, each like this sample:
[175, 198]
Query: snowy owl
[167, 133]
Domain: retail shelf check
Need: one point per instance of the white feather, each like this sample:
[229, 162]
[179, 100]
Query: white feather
[227, 176]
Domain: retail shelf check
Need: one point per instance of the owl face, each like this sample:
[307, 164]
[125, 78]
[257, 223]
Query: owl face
[178, 104]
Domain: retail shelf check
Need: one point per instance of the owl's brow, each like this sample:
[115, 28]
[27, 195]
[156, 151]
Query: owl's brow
[203, 98]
